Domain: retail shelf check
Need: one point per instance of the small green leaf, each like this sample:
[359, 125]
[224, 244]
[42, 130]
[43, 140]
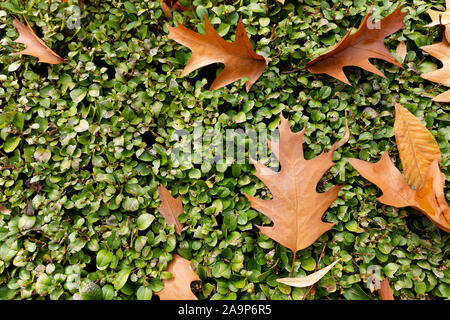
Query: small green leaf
[130, 204]
[11, 144]
[78, 95]
[144, 293]
[144, 221]
[121, 278]
[356, 293]
[26, 222]
[104, 258]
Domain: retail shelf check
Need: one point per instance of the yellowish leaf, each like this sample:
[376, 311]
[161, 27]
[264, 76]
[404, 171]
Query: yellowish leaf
[309, 280]
[416, 145]
[402, 51]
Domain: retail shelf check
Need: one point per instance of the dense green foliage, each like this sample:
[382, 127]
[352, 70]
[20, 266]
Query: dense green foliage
[84, 146]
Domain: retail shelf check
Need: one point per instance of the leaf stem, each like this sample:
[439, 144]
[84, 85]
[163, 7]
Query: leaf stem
[292, 266]
[292, 71]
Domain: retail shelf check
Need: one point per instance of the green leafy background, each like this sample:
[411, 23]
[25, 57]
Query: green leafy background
[82, 221]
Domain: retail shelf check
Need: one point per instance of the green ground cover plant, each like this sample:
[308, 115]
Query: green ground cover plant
[85, 144]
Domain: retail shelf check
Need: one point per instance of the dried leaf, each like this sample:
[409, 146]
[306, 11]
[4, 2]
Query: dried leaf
[168, 5]
[28, 210]
[429, 198]
[179, 286]
[385, 291]
[440, 51]
[439, 17]
[384, 174]
[309, 280]
[417, 147]
[166, 9]
[297, 208]
[35, 46]
[238, 57]
[356, 49]
[171, 208]
[4, 210]
[402, 50]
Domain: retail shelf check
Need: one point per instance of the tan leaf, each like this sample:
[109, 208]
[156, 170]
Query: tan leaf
[384, 174]
[166, 9]
[385, 291]
[238, 57]
[440, 51]
[439, 17]
[356, 49]
[309, 280]
[35, 46]
[168, 5]
[296, 208]
[171, 208]
[429, 198]
[416, 146]
[4, 210]
[179, 286]
[402, 50]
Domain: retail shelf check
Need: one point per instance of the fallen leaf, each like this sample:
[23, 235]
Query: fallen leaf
[179, 286]
[168, 5]
[429, 198]
[238, 57]
[384, 174]
[296, 208]
[35, 46]
[309, 280]
[28, 210]
[171, 208]
[402, 50]
[385, 292]
[166, 9]
[440, 51]
[4, 210]
[439, 17]
[356, 49]
[36, 186]
[417, 147]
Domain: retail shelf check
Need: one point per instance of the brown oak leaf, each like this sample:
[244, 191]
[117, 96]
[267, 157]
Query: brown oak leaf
[35, 46]
[428, 196]
[440, 51]
[296, 208]
[168, 5]
[179, 286]
[356, 49]
[238, 57]
[170, 208]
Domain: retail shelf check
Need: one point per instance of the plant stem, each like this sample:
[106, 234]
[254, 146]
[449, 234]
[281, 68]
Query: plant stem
[292, 266]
